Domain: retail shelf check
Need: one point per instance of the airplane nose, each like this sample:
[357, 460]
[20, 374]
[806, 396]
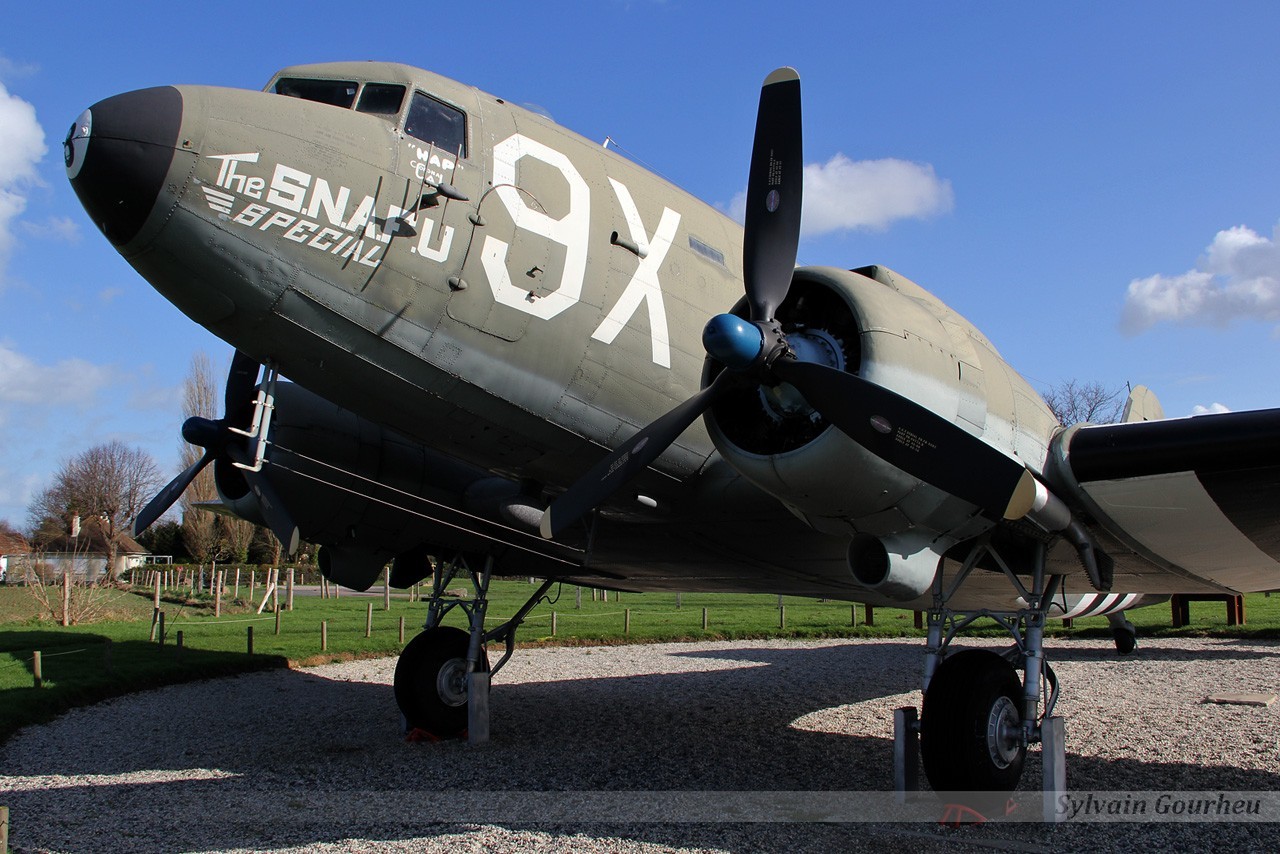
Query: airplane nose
[118, 154]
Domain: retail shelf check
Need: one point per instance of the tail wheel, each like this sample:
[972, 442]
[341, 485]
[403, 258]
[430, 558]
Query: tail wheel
[431, 681]
[971, 726]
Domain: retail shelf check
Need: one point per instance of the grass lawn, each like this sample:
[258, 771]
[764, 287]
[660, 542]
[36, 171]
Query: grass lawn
[113, 656]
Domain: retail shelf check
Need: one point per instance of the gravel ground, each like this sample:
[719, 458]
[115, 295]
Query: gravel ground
[634, 748]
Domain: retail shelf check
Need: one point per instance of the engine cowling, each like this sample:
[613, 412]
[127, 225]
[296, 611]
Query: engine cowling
[891, 332]
[365, 494]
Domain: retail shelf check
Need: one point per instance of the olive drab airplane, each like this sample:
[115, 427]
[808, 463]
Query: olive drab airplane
[513, 351]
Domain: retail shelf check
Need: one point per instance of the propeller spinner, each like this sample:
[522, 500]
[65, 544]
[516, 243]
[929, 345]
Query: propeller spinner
[896, 429]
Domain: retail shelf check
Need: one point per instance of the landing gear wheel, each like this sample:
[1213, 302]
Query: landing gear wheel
[971, 724]
[431, 681]
[1126, 637]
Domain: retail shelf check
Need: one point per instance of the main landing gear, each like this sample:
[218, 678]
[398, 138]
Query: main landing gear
[442, 677]
[980, 716]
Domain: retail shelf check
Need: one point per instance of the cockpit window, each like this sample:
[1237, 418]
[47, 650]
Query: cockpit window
[382, 99]
[437, 123]
[339, 93]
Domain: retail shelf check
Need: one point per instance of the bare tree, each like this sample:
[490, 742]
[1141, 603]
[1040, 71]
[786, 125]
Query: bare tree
[109, 483]
[199, 398]
[237, 534]
[1074, 402]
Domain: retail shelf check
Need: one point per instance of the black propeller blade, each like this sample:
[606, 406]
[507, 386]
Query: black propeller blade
[894, 428]
[775, 184]
[220, 441]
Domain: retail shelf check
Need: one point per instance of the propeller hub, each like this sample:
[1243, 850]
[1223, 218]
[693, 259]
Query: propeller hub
[202, 432]
[732, 341]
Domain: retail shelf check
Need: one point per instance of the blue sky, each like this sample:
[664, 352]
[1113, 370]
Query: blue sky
[1095, 185]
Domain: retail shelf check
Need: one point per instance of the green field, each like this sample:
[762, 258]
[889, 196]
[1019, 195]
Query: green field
[83, 664]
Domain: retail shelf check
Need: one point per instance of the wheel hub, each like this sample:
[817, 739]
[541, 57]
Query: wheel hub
[1004, 732]
[451, 682]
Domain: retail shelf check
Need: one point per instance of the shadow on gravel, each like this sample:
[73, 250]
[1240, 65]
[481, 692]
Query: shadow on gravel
[304, 759]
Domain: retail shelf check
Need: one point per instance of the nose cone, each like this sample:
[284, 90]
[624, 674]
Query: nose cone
[118, 154]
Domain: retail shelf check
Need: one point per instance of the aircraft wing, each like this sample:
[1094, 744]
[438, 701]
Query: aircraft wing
[1195, 499]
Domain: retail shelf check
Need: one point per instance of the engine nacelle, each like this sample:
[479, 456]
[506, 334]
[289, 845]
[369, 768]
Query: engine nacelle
[347, 483]
[892, 332]
[898, 568]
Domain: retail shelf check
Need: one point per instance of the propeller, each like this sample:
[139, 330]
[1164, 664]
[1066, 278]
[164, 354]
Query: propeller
[756, 350]
[219, 440]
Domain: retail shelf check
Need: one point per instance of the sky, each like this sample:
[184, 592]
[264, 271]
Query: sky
[1095, 185]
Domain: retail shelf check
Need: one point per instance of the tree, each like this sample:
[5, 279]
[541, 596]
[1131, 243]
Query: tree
[1074, 402]
[199, 398]
[110, 483]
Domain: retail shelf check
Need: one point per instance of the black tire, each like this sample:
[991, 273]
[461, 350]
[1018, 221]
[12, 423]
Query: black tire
[430, 681]
[972, 692]
[1126, 638]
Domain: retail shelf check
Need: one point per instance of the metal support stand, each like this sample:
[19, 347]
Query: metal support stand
[906, 752]
[1053, 747]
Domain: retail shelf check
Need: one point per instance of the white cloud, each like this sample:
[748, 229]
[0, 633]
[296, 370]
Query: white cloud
[844, 195]
[68, 382]
[1211, 409]
[21, 147]
[1238, 276]
[61, 228]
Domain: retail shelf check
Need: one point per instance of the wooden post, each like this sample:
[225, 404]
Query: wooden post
[386, 588]
[337, 591]
[66, 597]
[249, 638]
[368, 621]
[704, 619]
[869, 615]
[251, 579]
[604, 595]
[290, 588]
[217, 594]
[277, 618]
[626, 621]
[553, 623]
[37, 669]
[155, 619]
[402, 630]
[160, 636]
[595, 595]
[275, 587]
[324, 635]
[918, 620]
[853, 615]
[156, 597]
[677, 601]
[577, 598]
[236, 594]
[782, 616]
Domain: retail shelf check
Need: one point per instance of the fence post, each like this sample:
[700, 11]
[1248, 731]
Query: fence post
[277, 618]
[368, 621]
[156, 598]
[236, 594]
[626, 621]
[782, 616]
[402, 630]
[217, 594]
[853, 615]
[249, 639]
[324, 635]
[66, 597]
[577, 598]
[704, 619]
[290, 597]
[386, 588]
[160, 636]
[869, 614]
[553, 623]
[37, 669]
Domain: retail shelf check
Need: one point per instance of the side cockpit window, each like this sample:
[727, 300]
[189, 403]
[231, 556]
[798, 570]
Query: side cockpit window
[381, 99]
[339, 93]
[437, 123]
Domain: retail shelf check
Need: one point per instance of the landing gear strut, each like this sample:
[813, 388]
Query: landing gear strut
[442, 678]
[979, 716]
